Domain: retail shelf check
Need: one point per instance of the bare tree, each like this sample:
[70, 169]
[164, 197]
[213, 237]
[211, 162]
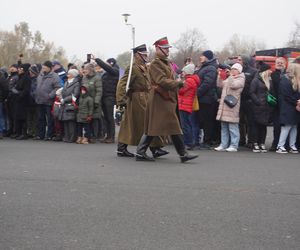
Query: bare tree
[124, 59]
[294, 40]
[238, 45]
[190, 44]
[22, 41]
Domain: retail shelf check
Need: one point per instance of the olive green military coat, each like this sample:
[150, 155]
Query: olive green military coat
[162, 115]
[133, 121]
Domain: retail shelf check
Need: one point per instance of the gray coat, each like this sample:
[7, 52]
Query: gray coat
[46, 88]
[68, 110]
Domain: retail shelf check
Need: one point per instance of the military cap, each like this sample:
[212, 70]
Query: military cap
[142, 49]
[163, 43]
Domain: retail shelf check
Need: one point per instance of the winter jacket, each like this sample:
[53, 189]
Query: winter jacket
[187, 93]
[85, 108]
[207, 91]
[250, 73]
[47, 84]
[109, 79]
[288, 97]
[33, 91]
[12, 79]
[233, 85]
[68, 109]
[22, 97]
[93, 84]
[3, 88]
[258, 92]
[276, 78]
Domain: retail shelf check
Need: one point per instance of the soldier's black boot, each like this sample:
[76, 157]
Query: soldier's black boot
[158, 152]
[180, 148]
[122, 150]
[142, 148]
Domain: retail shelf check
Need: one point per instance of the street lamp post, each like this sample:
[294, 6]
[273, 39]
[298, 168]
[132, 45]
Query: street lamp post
[126, 16]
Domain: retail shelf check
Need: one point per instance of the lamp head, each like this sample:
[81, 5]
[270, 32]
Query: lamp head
[126, 17]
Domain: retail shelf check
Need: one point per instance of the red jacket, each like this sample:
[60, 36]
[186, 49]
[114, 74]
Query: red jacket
[187, 93]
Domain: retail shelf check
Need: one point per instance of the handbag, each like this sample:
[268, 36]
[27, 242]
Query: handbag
[271, 100]
[230, 101]
[195, 103]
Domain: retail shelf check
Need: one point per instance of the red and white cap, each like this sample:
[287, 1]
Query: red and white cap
[162, 43]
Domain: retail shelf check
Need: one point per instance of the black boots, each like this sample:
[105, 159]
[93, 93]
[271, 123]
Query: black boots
[142, 148]
[180, 148]
[122, 151]
[158, 152]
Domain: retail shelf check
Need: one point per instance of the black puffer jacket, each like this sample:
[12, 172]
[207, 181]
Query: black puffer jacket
[261, 109]
[22, 94]
[249, 74]
[3, 88]
[207, 91]
[109, 79]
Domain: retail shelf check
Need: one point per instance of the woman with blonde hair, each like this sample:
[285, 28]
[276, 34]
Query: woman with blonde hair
[260, 86]
[289, 116]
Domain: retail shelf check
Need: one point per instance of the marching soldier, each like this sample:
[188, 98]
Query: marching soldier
[134, 104]
[162, 112]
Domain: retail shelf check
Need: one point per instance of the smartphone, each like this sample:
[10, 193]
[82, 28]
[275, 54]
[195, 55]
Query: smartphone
[88, 58]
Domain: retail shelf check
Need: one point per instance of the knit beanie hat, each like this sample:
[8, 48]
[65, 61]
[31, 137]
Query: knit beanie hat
[238, 67]
[208, 54]
[48, 64]
[34, 69]
[189, 69]
[25, 66]
[263, 66]
[73, 72]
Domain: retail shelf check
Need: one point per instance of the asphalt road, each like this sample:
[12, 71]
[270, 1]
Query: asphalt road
[78, 197]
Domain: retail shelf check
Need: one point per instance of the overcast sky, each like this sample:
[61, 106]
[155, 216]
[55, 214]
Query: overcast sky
[95, 26]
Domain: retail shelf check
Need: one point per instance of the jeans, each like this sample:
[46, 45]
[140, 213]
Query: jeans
[230, 134]
[285, 131]
[45, 119]
[196, 128]
[108, 103]
[186, 125]
[2, 118]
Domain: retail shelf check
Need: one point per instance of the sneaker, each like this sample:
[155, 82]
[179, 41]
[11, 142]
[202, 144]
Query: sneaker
[231, 149]
[263, 148]
[256, 148]
[281, 150]
[220, 149]
[293, 150]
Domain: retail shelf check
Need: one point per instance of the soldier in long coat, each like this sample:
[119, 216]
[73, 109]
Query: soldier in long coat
[162, 111]
[134, 102]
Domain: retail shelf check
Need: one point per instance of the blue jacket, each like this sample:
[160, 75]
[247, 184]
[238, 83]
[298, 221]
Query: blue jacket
[288, 115]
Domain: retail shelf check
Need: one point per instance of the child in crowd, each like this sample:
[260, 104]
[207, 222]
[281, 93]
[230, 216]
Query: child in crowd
[84, 116]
